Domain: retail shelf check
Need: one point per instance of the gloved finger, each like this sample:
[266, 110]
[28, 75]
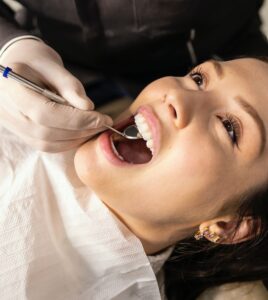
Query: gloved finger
[51, 114]
[37, 142]
[23, 124]
[68, 86]
[52, 147]
[61, 146]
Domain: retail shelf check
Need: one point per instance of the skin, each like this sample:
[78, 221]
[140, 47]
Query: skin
[198, 169]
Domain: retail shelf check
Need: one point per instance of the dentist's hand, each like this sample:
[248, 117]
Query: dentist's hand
[40, 122]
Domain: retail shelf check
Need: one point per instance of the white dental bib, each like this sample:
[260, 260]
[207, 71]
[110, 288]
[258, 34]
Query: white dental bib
[57, 239]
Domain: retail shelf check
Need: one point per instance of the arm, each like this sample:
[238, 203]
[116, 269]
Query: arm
[9, 28]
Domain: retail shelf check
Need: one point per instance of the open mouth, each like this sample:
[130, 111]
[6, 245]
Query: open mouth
[134, 151]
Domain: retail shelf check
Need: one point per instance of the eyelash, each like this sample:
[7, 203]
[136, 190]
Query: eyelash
[199, 72]
[235, 125]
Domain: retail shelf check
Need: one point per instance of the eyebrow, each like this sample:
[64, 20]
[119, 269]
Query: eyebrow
[256, 117]
[218, 68]
[246, 107]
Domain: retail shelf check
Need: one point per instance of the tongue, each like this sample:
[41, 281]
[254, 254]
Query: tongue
[134, 151]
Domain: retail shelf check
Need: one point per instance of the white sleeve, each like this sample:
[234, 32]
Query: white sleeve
[16, 39]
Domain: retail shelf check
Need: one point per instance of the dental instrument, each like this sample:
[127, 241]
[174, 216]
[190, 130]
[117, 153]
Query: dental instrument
[131, 132]
[8, 73]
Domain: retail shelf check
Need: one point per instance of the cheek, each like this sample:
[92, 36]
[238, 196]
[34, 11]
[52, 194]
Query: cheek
[191, 176]
[154, 92]
[193, 158]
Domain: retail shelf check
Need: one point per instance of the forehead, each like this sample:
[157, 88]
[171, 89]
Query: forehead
[252, 73]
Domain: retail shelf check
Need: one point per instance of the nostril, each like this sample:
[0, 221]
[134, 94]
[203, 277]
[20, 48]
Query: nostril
[172, 111]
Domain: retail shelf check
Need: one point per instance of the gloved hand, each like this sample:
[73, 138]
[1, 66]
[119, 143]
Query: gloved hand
[40, 122]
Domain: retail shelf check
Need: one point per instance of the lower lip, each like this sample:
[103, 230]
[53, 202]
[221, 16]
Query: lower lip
[106, 146]
[105, 138]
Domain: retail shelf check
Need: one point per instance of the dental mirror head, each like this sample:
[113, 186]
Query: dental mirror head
[130, 133]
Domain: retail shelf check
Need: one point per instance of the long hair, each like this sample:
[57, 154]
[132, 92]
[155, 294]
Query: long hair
[197, 265]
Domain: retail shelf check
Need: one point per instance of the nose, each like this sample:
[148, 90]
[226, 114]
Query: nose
[184, 104]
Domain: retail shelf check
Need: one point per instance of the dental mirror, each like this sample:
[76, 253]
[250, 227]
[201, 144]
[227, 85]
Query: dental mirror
[131, 132]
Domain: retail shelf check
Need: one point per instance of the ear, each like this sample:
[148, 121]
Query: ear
[225, 229]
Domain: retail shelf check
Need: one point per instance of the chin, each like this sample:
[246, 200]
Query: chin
[94, 169]
[86, 162]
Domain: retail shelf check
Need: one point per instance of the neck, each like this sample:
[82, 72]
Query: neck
[155, 238]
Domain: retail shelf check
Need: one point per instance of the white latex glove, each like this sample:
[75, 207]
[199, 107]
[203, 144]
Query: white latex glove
[40, 122]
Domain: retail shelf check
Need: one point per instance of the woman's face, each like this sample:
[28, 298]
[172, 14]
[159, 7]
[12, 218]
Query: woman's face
[207, 133]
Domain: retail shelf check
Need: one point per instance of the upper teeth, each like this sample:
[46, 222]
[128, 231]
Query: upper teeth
[145, 131]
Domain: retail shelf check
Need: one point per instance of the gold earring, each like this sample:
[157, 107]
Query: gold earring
[212, 236]
[200, 234]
